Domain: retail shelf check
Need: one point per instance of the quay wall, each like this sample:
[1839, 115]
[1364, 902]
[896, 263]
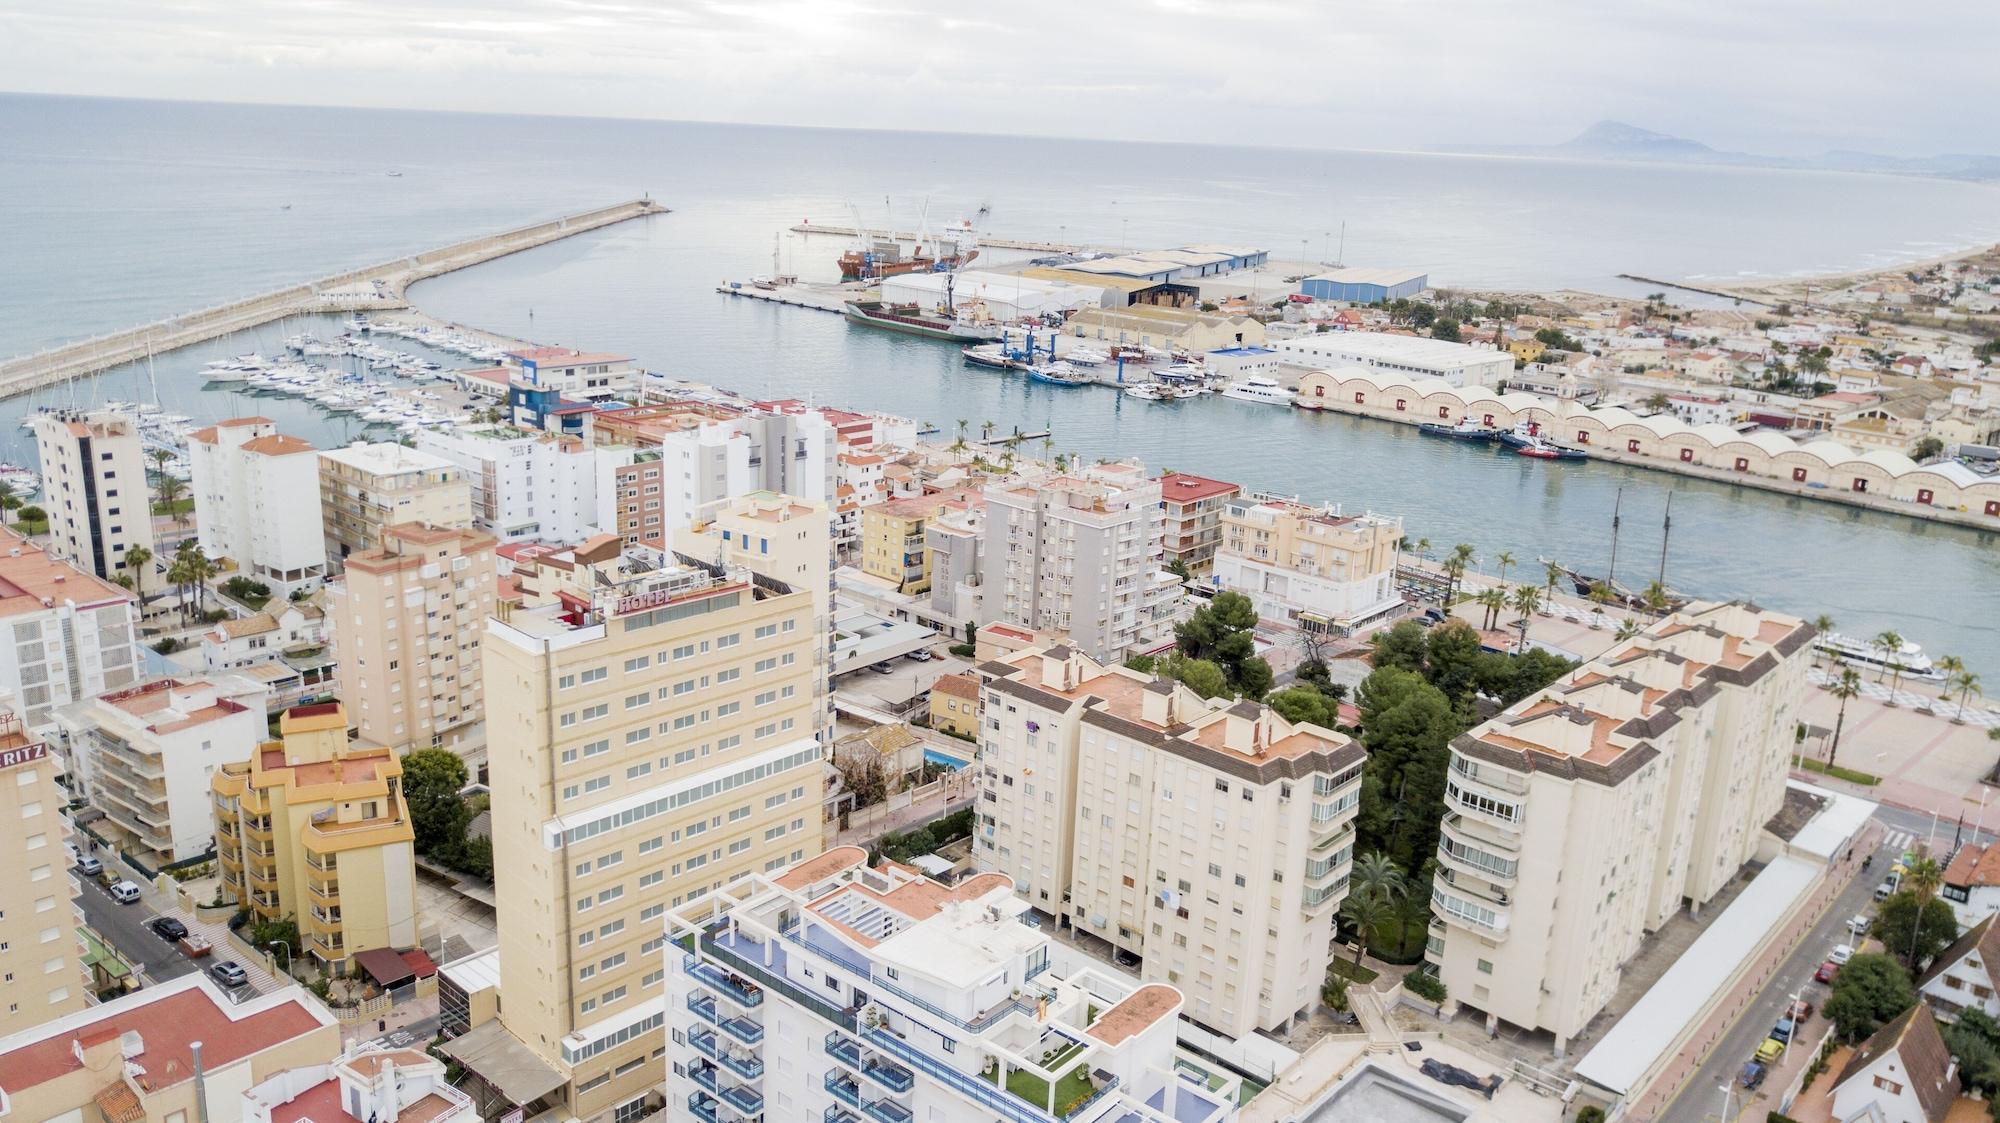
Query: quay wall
[1822, 470]
[380, 286]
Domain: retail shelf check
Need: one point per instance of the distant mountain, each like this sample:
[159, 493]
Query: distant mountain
[1616, 140]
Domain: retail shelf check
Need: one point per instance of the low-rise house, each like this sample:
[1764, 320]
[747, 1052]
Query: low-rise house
[955, 704]
[899, 752]
[262, 636]
[1902, 1074]
[1966, 975]
[364, 1086]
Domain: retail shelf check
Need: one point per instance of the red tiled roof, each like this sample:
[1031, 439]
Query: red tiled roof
[1179, 487]
[165, 1026]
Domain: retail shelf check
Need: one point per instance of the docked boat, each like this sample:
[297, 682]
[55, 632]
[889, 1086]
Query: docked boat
[1541, 449]
[1909, 657]
[1059, 373]
[1258, 389]
[1466, 430]
[988, 355]
[1158, 392]
[21, 480]
[1085, 357]
[911, 320]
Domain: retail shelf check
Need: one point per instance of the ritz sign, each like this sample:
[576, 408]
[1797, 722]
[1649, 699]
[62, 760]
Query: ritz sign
[26, 754]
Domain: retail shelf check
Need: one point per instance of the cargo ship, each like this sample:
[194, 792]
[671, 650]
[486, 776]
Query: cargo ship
[911, 320]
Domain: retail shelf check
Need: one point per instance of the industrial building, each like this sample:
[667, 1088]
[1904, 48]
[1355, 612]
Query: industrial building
[1361, 285]
[1007, 296]
[1455, 364]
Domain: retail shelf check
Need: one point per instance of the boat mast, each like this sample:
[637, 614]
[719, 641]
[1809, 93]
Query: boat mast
[1666, 531]
[1611, 572]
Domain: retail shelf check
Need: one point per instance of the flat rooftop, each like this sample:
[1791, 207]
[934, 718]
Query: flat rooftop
[1386, 347]
[29, 575]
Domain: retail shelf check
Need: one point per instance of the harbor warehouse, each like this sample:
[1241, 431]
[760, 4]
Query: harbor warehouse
[1006, 296]
[1454, 364]
[1364, 286]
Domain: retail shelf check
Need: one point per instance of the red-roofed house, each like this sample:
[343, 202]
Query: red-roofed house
[1193, 506]
[365, 1086]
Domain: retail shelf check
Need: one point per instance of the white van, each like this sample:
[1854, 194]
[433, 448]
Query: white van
[125, 893]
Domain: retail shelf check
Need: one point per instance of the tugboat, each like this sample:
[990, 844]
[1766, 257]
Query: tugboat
[1546, 450]
[1465, 430]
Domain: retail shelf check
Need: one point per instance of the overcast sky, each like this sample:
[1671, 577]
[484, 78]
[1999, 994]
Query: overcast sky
[1780, 76]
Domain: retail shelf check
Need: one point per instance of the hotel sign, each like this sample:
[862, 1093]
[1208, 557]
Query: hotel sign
[26, 754]
[626, 606]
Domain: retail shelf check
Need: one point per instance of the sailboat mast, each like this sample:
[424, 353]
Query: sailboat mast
[1666, 531]
[1611, 572]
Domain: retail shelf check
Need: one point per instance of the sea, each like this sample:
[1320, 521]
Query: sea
[115, 212]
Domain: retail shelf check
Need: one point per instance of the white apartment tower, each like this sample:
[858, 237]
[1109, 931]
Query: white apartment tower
[94, 488]
[532, 485]
[1644, 777]
[256, 502]
[67, 635]
[1213, 840]
[1081, 555]
[833, 992]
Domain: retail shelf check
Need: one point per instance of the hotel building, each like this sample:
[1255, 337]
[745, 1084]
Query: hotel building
[831, 991]
[311, 829]
[653, 736]
[1644, 777]
[1211, 840]
[38, 941]
[1310, 567]
[69, 636]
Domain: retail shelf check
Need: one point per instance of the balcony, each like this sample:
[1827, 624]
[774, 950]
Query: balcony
[749, 1068]
[1488, 776]
[839, 1114]
[749, 1101]
[982, 1091]
[323, 893]
[1461, 857]
[748, 996]
[704, 1042]
[743, 1029]
[703, 1106]
[886, 1073]
[704, 1008]
[1481, 809]
[1467, 914]
[703, 1075]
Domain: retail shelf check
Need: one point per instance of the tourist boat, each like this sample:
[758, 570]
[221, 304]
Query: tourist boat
[1864, 653]
[1540, 449]
[1059, 373]
[1466, 430]
[910, 320]
[1258, 389]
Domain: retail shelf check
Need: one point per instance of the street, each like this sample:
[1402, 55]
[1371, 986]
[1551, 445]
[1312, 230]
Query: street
[1702, 1100]
[124, 928]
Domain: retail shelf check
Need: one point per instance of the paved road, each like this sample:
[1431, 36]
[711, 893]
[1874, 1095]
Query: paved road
[124, 927]
[1701, 1100]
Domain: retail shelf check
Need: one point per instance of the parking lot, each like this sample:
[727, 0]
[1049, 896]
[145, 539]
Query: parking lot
[905, 679]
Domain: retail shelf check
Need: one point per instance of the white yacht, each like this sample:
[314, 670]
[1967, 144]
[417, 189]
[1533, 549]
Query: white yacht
[1867, 653]
[1085, 356]
[1258, 389]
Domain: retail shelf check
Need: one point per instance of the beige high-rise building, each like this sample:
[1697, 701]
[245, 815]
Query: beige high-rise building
[1213, 840]
[1309, 566]
[94, 489]
[312, 829]
[653, 735]
[1643, 778]
[366, 488]
[406, 631]
[38, 942]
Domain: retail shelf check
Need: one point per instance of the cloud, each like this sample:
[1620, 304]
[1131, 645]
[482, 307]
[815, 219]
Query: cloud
[1777, 75]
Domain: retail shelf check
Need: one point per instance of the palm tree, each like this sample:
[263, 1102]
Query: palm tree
[1967, 684]
[1552, 572]
[1527, 600]
[986, 430]
[1891, 644]
[1494, 599]
[1424, 547]
[139, 560]
[1365, 915]
[1503, 560]
[196, 569]
[1922, 875]
[1377, 874]
[1629, 628]
[1453, 570]
[1823, 624]
[962, 423]
[1845, 687]
[178, 574]
[1656, 598]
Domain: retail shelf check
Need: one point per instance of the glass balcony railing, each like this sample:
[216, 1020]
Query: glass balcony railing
[704, 1042]
[976, 1088]
[744, 1030]
[703, 1075]
[749, 1068]
[839, 1114]
[886, 1073]
[749, 1101]
[715, 978]
[703, 1007]
[703, 1106]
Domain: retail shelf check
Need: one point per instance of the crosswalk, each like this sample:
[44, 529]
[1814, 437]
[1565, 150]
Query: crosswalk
[1899, 841]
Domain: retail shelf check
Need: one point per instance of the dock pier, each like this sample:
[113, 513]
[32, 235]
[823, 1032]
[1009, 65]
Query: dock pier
[372, 288]
[1683, 287]
[911, 236]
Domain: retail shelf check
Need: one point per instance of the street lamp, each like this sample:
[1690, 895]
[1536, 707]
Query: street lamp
[287, 949]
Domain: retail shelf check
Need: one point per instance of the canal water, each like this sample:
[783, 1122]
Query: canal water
[121, 211]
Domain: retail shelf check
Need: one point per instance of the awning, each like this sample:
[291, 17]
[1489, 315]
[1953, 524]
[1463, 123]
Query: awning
[419, 962]
[385, 966]
[509, 1067]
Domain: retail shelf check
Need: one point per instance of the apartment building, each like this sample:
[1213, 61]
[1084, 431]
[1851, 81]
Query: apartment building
[256, 502]
[1080, 554]
[69, 634]
[1192, 511]
[407, 1085]
[1309, 566]
[893, 544]
[406, 634]
[143, 756]
[1212, 840]
[654, 735]
[366, 488]
[1645, 777]
[954, 552]
[708, 452]
[94, 488]
[310, 828]
[134, 1058]
[38, 941]
[830, 990]
[533, 485]
[543, 380]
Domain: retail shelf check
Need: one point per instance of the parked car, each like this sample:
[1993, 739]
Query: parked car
[1857, 925]
[1753, 1074]
[1886, 889]
[1770, 1050]
[125, 893]
[882, 668]
[168, 929]
[1799, 1011]
[89, 866]
[1826, 972]
[1783, 1030]
[921, 655]
[229, 973]
[1840, 954]
[1436, 615]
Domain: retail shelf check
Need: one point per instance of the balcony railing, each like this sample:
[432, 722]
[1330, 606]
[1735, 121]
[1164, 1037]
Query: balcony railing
[888, 1074]
[705, 1043]
[839, 1114]
[749, 1101]
[703, 1106]
[980, 1090]
[703, 1006]
[796, 994]
[743, 1029]
[742, 994]
[749, 1068]
[703, 1075]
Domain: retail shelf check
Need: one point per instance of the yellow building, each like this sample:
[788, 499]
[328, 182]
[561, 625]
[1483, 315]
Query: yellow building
[652, 736]
[955, 705]
[38, 945]
[892, 537]
[1526, 350]
[312, 829]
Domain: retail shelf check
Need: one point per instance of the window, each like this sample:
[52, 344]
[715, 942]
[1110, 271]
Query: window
[637, 663]
[592, 713]
[730, 640]
[1888, 1085]
[634, 701]
[594, 674]
[566, 682]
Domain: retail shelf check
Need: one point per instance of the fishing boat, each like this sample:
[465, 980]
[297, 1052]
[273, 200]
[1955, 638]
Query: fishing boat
[1541, 449]
[1466, 430]
[1909, 659]
[912, 320]
[1059, 373]
[1258, 389]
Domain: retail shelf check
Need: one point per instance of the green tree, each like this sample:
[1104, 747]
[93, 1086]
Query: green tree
[1303, 703]
[1845, 687]
[1552, 573]
[1527, 601]
[1927, 448]
[1203, 676]
[1452, 663]
[1403, 647]
[1254, 678]
[139, 561]
[1364, 916]
[1974, 1039]
[1445, 328]
[1913, 941]
[1376, 874]
[1891, 643]
[1223, 631]
[1870, 990]
[32, 517]
[1407, 726]
[432, 780]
